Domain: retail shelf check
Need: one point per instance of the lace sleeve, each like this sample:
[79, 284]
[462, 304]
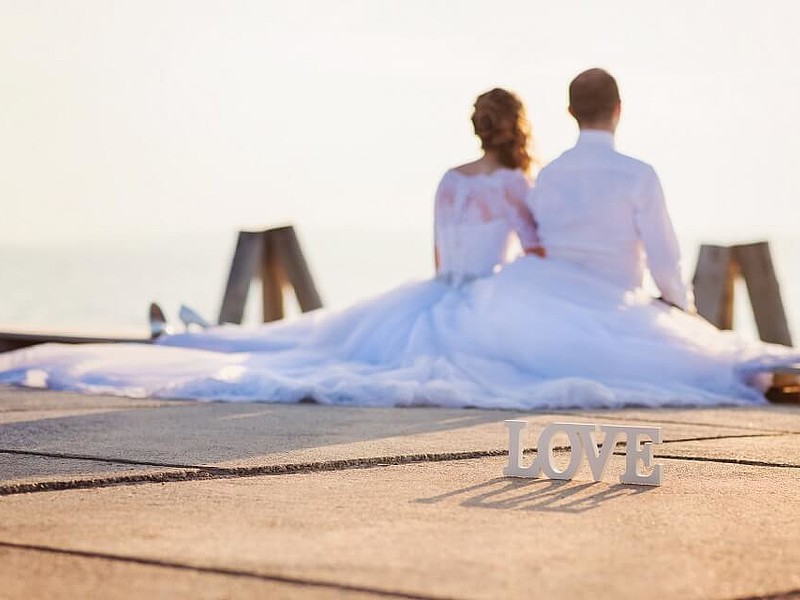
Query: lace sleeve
[519, 215]
[441, 202]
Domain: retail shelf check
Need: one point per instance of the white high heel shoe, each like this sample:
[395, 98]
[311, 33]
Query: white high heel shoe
[158, 322]
[191, 317]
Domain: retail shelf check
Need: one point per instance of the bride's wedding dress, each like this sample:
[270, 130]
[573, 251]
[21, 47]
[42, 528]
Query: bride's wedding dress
[541, 333]
[402, 347]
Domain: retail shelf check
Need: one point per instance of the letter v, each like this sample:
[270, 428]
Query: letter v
[598, 458]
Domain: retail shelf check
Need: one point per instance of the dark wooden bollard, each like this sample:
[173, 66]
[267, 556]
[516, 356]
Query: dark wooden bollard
[275, 257]
[717, 269]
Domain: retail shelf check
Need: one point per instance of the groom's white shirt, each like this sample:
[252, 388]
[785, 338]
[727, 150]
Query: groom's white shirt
[606, 212]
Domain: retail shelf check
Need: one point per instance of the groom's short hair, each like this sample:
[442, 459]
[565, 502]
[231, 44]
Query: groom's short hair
[593, 96]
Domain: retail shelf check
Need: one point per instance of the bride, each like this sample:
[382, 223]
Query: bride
[403, 347]
[478, 208]
[542, 332]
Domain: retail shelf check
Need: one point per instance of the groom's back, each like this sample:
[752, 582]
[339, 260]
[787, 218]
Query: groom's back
[590, 203]
[603, 210]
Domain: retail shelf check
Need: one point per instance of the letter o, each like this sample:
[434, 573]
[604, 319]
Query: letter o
[545, 451]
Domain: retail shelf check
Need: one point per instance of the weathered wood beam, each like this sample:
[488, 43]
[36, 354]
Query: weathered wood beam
[276, 258]
[717, 269]
[246, 263]
[713, 285]
[755, 265]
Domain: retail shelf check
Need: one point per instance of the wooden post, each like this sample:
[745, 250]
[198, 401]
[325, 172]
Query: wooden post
[273, 280]
[284, 243]
[276, 258]
[717, 269]
[755, 264]
[713, 285]
[246, 263]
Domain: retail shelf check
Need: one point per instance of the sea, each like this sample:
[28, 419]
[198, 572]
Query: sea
[105, 287]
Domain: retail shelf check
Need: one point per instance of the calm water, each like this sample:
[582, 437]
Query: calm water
[108, 286]
[102, 286]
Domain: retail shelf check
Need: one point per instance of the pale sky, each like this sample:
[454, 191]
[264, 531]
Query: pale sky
[141, 118]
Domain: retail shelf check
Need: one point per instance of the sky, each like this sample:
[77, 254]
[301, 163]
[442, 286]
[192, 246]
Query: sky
[141, 118]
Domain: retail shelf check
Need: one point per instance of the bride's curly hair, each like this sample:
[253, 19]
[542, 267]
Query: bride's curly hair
[501, 124]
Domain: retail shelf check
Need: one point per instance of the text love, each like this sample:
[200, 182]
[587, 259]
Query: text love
[638, 451]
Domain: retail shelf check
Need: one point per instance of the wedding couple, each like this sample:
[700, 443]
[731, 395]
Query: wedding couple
[591, 207]
[568, 325]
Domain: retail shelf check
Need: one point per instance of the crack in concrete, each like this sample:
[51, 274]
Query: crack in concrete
[199, 472]
[728, 461]
[222, 470]
[768, 430]
[238, 472]
[121, 461]
[154, 562]
[788, 595]
[707, 438]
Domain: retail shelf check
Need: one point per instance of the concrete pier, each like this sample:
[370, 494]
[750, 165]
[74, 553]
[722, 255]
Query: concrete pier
[119, 498]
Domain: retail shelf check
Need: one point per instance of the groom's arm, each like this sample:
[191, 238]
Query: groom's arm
[661, 243]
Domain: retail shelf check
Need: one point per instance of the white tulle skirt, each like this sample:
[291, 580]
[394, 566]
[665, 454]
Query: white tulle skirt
[539, 334]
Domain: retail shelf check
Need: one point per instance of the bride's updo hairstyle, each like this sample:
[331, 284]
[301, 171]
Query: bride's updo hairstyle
[503, 128]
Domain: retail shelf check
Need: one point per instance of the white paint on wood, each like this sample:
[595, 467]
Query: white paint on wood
[639, 466]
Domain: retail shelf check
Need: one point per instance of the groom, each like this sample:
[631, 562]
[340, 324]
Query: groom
[603, 210]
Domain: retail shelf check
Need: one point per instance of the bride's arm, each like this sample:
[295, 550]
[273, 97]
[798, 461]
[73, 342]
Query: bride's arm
[520, 216]
[440, 201]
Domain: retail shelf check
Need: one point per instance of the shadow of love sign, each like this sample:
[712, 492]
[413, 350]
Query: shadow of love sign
[639, 467]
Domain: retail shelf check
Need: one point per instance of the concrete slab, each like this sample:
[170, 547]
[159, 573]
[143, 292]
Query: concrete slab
[21, 416]
[16, 470]
[454, 529]
[256, 434]
[768, 417]
[36, 573]
[484, 438]
[21, 404]
[13, 398]
[774, 450]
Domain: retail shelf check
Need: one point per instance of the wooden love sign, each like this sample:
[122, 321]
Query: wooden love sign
[638, 450]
